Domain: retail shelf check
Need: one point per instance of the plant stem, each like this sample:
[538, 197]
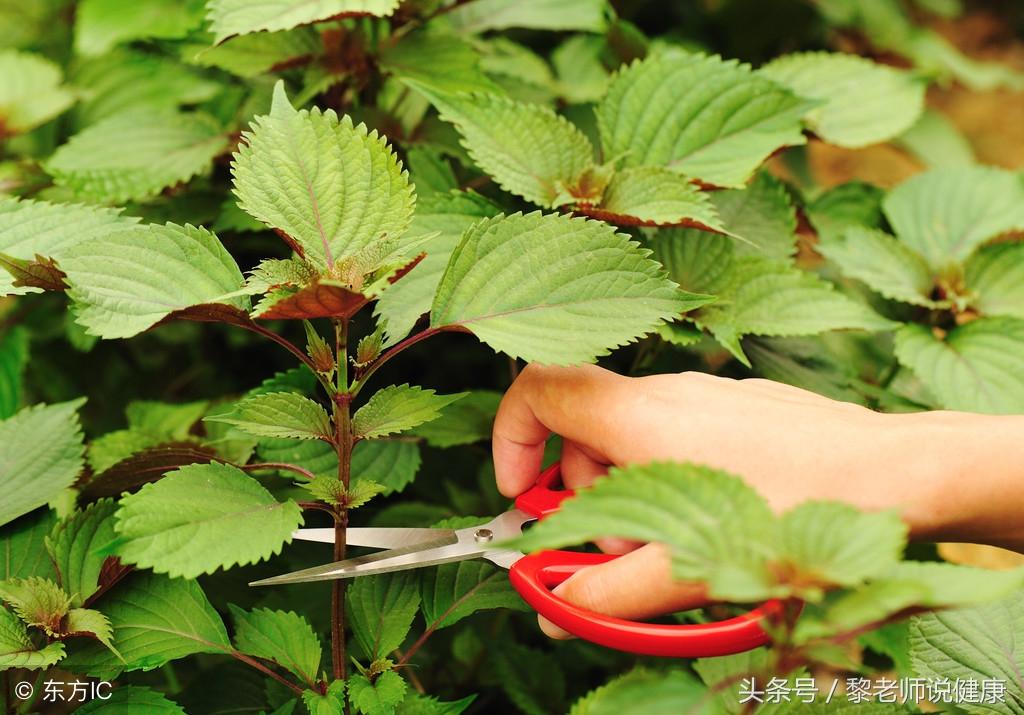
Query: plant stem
[390, 353]
[343, 445]
[248, 660]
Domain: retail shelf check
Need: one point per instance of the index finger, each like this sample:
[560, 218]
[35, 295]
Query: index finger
[574, 402]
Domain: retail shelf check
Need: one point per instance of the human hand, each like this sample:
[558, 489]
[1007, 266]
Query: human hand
[789, 444]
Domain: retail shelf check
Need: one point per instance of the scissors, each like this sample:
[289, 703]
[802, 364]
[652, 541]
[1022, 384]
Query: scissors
[533, 576]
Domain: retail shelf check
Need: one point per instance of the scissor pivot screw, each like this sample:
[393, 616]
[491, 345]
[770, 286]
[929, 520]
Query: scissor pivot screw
[483, 535]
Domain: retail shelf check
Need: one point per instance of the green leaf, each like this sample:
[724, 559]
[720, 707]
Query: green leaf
[156, 620]
[17, 649]
[698, 261]
[883, 263]
[439, 61]
[648, 691]
[333, 188]
[330, 703]
[40, 455]
[945, 214]
[37, 601]
[88, 622]
[281, 636]
[333, 491]
[379, 697]
[239, 17]
[156, 149]
[450, 592]
[200, 518]
[74, 546]
[23, 547]
[131, 279]
[31, 228]
[978, 643]
[582, 76]
[552, 289]
[854, 203]
[711, 119]
[31, 94]
[399, 408]
[654, 196]
[380, 611]
[936, 141]
[431, 174]
[994, 276]
[279, 414]
[417, 704]
[252, 55]
[451, 214]
[975, 368]
[863, 102]
[101, 24]
[464, 422]
[131, 700]
[532, 679]
[762, 215]
[484, 15]
[391, 463]
[13, 359]
[528, 149]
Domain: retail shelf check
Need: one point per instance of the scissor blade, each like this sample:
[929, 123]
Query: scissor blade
[382, 562]
[379, 537]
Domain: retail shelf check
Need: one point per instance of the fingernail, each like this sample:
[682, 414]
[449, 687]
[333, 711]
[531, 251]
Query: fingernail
[551, 630]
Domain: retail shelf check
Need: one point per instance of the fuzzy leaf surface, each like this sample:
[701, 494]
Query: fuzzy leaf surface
[552, 289]
[710, 119]
[38, 602]
[281, 636]
[40, 455]
[864, 102]
[399, 408]
[240, 17]
[129, 280]
[381, 609]
[976, 367]
[333, 187]
[31, 93]
[156, 149]
[284, 415]
[200, 518]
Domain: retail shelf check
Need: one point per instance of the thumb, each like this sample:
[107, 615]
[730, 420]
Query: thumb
[635, 586]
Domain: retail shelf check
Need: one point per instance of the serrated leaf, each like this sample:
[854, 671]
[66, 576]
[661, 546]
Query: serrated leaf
[761, 215]
[281, 636]
[319, 299]
[17, 649]
[945, 214]
[379, 697]
[31, 94]
[979, 643]
[391, 463]
[13, 359]
[156, 149]
[131, 700]
[647, 691]
[552, 289]
[976, 367]
[89, 622]
[284, 415]
[528, 149]
[101, 24]
[994, 277]
[484, 15]
[711, 119]
[23, 547]
[333, 188]
[144, 466]
[398, 408]
[239, 17]
[654, 196]
[38, 602]
[74, 544]
[30, 228]
[381, 609]
[883, 263]
[450, 592]
[863, 102]
[330, 703]
[40, 455]
[200, 518]
[451, 214]
[464, 422]
[156, 620]
[443, 62]
[132, 278]
[252, 55]
[333, 491]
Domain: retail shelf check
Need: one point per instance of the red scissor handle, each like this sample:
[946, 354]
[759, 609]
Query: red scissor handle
[535, 575]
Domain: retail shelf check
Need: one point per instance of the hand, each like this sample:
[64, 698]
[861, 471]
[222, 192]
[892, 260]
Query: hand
[789, 444]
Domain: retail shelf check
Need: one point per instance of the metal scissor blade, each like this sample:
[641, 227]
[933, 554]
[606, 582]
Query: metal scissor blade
[379, 537]
[382, 562]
